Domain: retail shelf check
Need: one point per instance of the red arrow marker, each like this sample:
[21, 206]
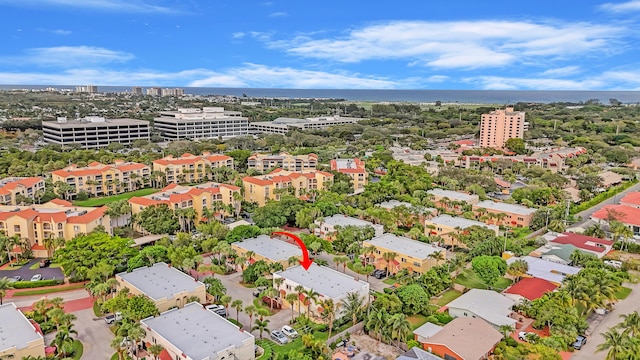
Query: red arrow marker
[305, 262]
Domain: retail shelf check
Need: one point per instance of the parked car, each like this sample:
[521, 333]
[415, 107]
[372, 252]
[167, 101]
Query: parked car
[289, 331]
[614, 263]
[44, 263]
[258, 291]
[218, 309]
[279, 337]
[36, 277]
[580, 341]
[111, 318]
[379, 274]
[524, 335]
[15, 278]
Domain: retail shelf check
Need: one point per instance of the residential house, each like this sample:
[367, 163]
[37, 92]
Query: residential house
[284, 161]
[195, 333]
[550, 271]
[557, 253]
[327, 227]
[190, 168]
[414, 256]
[415, 353]
[97, 179]
[447, 227]
[632, 199]
[355, 169]
[452, 200]
[14, 190]
[488, 305]
[55, 219]
[499, 213]
[529, 288]
[588, 244]
[328, 283]
[609, 179]
[262, 188]
[266, 248]
[166, 286]
[20, 337]
[461, 339]
[628, 215]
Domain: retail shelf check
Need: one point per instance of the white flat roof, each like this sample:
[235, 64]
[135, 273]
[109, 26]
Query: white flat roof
[323, 280]
[452, 195]
[15, 329]
[488, 304]
[454, 221]
[343, 220]
[403, 245]
[507, 208]
[160, 281]
[196, 331]
[270, 248]
[545, 269]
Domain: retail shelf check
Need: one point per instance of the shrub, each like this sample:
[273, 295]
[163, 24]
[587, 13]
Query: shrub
[35, 284]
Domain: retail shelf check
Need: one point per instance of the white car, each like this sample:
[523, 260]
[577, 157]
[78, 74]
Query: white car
[289, 331]
[111, 318]
[36, 277]
[524, 336]
[279, 337]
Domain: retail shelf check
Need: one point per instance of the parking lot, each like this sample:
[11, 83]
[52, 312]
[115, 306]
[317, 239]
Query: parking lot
[25, 273]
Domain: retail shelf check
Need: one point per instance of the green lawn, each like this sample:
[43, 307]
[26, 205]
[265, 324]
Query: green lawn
[623, 293]
[78, 349]
[469, 279]
[48, 290]
[448, 297]
[108, 199]
[389, 281]
[416, 320]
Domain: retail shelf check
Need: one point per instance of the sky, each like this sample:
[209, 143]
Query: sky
[329, 44]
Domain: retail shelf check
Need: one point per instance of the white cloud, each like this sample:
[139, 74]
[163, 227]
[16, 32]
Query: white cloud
[507, 83]
[633, 5]
[278, 14]
[563, 71]
[57, 31]
[457, 44]
[133, 6]
[238, 35]
[70, 56]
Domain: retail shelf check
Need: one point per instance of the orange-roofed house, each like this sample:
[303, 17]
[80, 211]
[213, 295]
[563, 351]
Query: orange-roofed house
[260, 189]
[529, 288]
[17, 190]
[97, 179]
[632, 199]
[37, 223]
[189, 168]
[285, 161]
[628, 215]
[355, 169]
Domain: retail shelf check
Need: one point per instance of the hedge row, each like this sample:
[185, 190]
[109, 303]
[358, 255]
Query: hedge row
[35, 284]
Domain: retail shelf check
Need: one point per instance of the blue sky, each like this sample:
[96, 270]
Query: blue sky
[373, 44]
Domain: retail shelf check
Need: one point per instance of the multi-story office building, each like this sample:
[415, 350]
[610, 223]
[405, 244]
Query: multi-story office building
[97, 179]
[208, 123]
[499, 126]
[13, 188]
[284, 161]
[55, 219]
[209, 199]
[283, 125]
[190, 168]
[260, 189]
[94, 132]
[355, 169]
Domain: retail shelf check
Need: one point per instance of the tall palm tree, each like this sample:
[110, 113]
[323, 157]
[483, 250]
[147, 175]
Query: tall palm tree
[328, 313]
[136, 333]
[291, 298]
[618, 345]
[250, 310]
[631, 324]
[389, 257]
[400, 327]
[155, 350]
[261, 326]
[352, 306]
[377, 321]
[5, 284]
[311, 296]
[238, 305]
[299, 291]
[341, 260]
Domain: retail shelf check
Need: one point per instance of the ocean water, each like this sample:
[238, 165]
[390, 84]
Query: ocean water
[446, 96]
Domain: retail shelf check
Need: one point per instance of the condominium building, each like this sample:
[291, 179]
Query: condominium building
[195, 333]
[499, 213]
[55, 219]
[499, 126]
[414, 256]
[14, 190]
[172, 92]
[97, 179]
[260, 189]
[447, 227]
[93, 132]
[208, 123]
[166, 286]
[268, 249]
[190, 168]
[453, 201]
[154, 91]
[284, 161]
[355, 169]
[90, 89]
[20, 337]
[327, 227]
[208, 199]
[283, 125]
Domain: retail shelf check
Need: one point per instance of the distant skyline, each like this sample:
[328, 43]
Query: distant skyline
[466, 45]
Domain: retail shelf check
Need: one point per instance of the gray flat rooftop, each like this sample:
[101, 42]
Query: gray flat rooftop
[453, 195]
[507, 208]
[406, 246]
[342, 220]
[270, 248]
[105, 123]
[454, 221]
[15, 329]
[323, 280]
[197, 332]
[488, 304]
[346, 164]
[160, 281]
[392, 204]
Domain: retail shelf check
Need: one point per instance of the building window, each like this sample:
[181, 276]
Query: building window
[76, 228]
[16, 228]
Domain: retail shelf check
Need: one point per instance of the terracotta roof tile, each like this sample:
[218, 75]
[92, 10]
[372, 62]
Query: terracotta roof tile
[531, 288]
[88, 217]
[628, 215]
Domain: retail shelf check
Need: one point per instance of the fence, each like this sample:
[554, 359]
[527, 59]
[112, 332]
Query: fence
[357, 327]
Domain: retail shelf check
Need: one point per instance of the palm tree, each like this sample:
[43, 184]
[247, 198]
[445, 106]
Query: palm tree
[311, 296]
[389, 257]
[155, 350]
[64, 342]
[117, 343]
[400, 326]
[238, 305]
[261, 326]
[5, 284]
[250, 310]
[352, 306]
[328, 313]
[377, 321]
[437, 256]
[225, 300]
[631, 324]
[341, 260]
[299, 291]
[617, 344]
[136, 333]
[290, 298]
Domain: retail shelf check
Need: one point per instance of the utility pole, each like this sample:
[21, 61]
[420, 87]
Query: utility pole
[566, 214]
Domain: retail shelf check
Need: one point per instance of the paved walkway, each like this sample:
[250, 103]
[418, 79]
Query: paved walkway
[27, 301]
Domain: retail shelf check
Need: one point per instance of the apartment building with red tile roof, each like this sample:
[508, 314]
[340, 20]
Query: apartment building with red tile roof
[262, 188]
[97, 179]
[355, 169]
[189, 168]
[15, 190]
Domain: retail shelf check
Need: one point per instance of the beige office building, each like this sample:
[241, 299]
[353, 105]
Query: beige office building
[208, 123]
[499, 126]
[94, 132]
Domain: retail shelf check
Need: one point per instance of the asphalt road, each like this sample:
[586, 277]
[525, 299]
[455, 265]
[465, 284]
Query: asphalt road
[94, 334]
[626, 306]
[586, 214]
[25, 273]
